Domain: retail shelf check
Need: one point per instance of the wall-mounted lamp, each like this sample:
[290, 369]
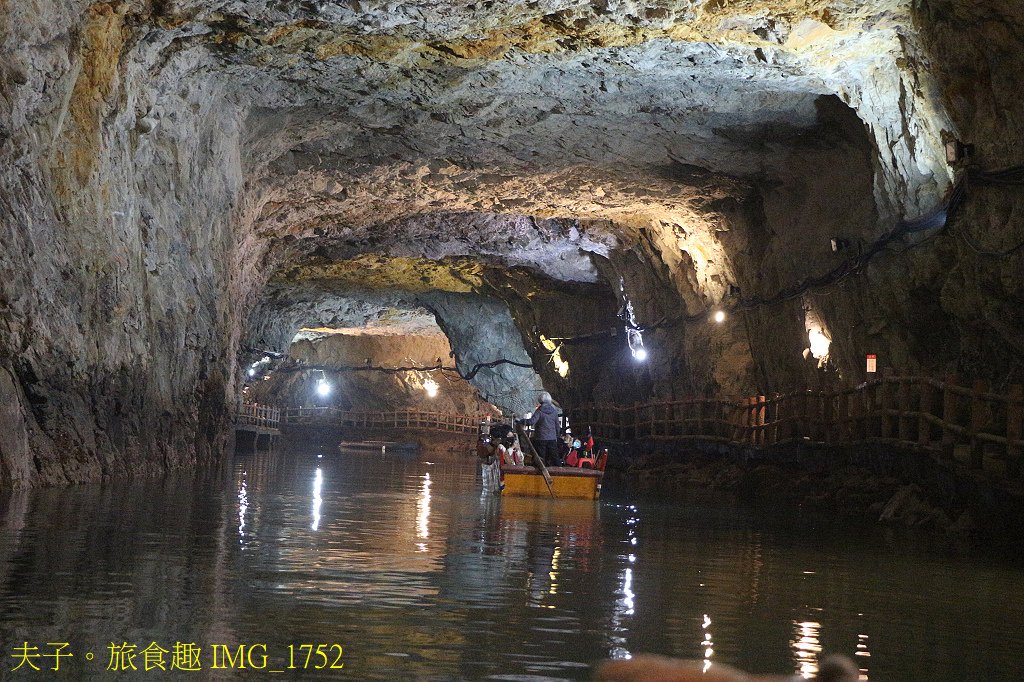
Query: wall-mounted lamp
[719, 316]
[322, 387]
[957, 151]
[840, 244]
[635, 340]
[561, 366]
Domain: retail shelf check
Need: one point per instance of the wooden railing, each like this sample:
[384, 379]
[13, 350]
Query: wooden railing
[958, 423]
[396, 419]
[258, 415]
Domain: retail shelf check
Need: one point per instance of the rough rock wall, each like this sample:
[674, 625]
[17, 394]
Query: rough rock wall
[290, 386]
[160, 161]
[285, 308]
[481, 330]
[115, 226]
[975, 302]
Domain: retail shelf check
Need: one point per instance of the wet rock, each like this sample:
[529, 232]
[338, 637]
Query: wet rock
[908, 507]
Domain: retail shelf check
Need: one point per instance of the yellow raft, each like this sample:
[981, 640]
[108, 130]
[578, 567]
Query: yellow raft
[566, 482]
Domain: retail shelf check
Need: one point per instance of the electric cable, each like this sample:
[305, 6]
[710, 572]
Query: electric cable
[395, 370]
[1013, 176]
[939, 218]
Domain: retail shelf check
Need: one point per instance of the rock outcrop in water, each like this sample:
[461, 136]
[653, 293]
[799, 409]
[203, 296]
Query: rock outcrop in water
[183, 181]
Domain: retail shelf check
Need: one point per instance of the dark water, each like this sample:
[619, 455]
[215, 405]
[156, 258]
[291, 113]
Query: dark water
[401, 570]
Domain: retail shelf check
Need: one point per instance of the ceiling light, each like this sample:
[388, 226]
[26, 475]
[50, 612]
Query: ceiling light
[720, 316]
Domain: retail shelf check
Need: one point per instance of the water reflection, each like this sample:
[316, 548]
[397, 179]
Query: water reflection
[707, 643]
[806, 647]
[423, 512]
[243, 506]
[624, 606]
[318, 481]
[862, 652]
[417, 576]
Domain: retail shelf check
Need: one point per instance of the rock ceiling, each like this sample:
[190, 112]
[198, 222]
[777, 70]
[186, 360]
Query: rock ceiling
[358, 121]
[361, 113]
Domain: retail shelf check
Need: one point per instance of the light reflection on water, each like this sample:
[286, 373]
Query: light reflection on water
[318, 482]
[806, 648]
[417, 576]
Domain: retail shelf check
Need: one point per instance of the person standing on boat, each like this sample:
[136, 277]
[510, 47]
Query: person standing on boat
[544, 421]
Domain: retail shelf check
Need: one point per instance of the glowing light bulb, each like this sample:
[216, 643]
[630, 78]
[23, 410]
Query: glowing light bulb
[719, 316]
[252, 372]
[324, 388]
[431, 386]
[819, 343]
[640, 354]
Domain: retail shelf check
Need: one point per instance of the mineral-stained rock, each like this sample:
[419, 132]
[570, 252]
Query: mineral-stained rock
[178, 177]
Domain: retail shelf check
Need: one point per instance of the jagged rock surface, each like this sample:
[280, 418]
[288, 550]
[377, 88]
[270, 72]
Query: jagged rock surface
[341, 357]
[174, 174]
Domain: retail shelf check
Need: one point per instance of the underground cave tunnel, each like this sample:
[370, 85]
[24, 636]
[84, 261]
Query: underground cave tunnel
[768, 254]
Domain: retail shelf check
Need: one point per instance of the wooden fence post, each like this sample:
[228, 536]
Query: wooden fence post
[781, 423]
[828, 411]
[853, 414]
[814, 416]
[739, 419]
[773, 419]
[722, 410]
[742, 420]
[759, 409]
[925, 406]
[1014, 421]
[799, 401]
[979, 412]
[845, 412]
[885, 403]
[751, 421]
[904, 425]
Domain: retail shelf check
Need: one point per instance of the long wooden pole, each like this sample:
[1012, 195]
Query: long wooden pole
[537, 461]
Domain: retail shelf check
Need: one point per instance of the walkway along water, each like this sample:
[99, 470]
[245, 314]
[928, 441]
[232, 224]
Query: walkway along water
[973, 426]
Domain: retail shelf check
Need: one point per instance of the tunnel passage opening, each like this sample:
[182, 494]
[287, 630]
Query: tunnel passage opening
[509, 295]
[385, 346]
[385, 367]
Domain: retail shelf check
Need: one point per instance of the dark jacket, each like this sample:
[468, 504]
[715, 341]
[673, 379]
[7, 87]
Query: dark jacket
[545, 422]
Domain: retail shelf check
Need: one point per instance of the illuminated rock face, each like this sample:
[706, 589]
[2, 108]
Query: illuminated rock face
[346, 381]
[183, 180]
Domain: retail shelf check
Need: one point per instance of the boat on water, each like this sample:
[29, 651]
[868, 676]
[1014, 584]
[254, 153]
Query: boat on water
[566, 482]
[504, 471]
[382, 446]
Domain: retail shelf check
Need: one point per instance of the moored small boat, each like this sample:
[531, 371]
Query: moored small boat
[378, 445]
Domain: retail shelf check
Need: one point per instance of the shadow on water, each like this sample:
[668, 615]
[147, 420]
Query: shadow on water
[405, 567]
